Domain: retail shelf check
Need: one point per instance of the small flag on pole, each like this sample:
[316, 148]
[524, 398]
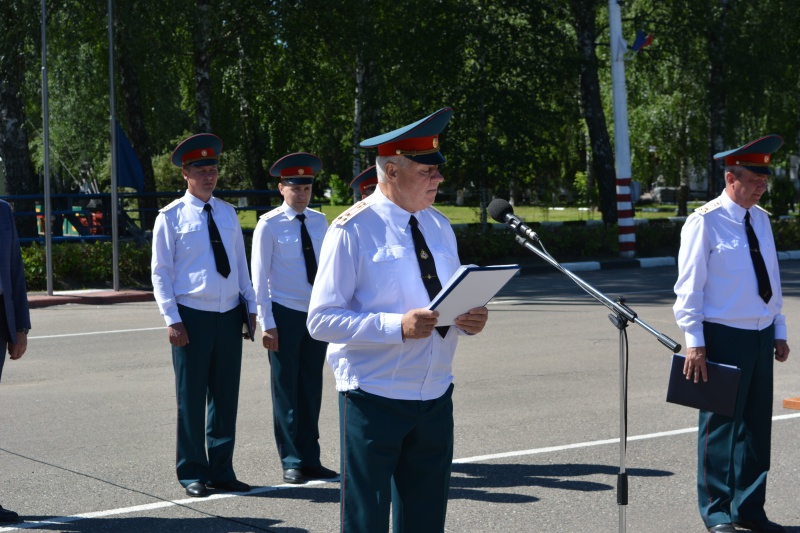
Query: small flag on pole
[642, 41]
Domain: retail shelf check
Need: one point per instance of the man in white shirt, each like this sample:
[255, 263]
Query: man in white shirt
[199, 270]
[365, 183]
[379, 265]
[286, 246]
[729, 306]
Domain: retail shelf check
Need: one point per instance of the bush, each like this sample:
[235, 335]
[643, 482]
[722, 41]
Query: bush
[79, 265]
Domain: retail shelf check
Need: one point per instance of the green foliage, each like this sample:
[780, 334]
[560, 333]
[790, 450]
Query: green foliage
[78, 265]
[781, 195]
[566, 242]
[786, 234]
[587, 196]
[341, 193]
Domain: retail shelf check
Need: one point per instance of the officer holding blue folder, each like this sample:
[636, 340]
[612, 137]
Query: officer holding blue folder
[729, 306]
[381, 263]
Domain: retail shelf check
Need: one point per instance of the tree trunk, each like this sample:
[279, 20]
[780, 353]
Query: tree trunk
[717, 97]
[202, 68]
[584, 13]
[18, 168]
[137, 130]
[250, 135]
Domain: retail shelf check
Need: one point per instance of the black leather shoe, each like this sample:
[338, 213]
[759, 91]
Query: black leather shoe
[318, 472]
[723, 528]
[233, 485]
[294, 476]
[760, 527]
[8, 517]
[196, 490]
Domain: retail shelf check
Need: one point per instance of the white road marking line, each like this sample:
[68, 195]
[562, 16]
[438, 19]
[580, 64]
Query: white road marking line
[260, 490]
[94, 333]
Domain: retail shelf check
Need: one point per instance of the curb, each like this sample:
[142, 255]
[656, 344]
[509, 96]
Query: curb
[611, 264]
[105, 297]
[89, 297]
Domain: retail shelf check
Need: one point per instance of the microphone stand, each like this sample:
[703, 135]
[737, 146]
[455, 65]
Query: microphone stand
[620, 317]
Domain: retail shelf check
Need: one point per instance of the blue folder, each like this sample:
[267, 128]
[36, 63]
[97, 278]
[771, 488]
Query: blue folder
[717, 395]
[247, 327]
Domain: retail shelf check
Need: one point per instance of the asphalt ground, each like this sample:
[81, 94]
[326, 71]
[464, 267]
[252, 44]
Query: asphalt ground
[87, 423]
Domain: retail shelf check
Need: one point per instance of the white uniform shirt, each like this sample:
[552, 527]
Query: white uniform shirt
[183, 268]
[368, 278]
[278, 265]
[716, 279]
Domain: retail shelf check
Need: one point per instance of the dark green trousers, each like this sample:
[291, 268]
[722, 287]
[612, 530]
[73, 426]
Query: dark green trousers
[398, 453]
[296, 383]
[734, 453]
[207, 372]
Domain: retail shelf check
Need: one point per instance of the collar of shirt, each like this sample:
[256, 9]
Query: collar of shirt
[194, 201]
[391, 211]
[290, 213]
[736, 211]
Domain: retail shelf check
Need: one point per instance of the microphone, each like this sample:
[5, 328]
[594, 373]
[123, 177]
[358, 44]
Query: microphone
[502, 211]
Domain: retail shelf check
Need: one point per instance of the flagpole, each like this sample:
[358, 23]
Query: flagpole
[48, 232]
[114, 197]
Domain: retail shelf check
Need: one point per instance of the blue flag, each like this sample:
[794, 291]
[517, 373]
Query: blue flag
[129, 169]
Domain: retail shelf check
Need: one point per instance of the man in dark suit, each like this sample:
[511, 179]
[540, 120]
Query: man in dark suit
[15, 320]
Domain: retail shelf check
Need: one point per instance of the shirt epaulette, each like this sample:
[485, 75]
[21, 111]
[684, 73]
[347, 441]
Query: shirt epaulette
[710, 206]
[171, 205]
[271, 213]
[352, 211]
[224, 202]
[759, 207]
[445, 216]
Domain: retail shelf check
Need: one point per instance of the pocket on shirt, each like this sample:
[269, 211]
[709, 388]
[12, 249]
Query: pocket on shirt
[188, 235]
[735, 256]
[289, 245]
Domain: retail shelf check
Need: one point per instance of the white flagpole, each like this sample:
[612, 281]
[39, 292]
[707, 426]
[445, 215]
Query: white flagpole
[48, 233]
[114, 198]
[622, 152]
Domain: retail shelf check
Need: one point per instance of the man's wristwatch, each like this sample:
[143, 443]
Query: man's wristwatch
[23, 330]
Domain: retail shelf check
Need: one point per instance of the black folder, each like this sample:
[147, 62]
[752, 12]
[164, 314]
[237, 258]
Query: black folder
[717, 395]
[248, 327]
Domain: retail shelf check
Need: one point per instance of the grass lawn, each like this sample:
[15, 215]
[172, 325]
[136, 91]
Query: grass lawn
[471, 214]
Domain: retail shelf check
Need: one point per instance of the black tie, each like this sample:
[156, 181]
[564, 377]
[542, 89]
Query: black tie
[220, 256]
[308, 250]
[764, 288]
[427, 267]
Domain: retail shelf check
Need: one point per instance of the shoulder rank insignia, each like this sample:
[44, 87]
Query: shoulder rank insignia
[342, 219]
[761, 208]
[710, 206]
[275, 211]
[170, 205]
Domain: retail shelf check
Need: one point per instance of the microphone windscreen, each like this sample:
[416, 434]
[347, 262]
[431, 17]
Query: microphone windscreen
[499, 208]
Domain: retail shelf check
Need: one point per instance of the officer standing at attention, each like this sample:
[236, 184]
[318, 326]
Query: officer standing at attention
[286, 246]
[729, 307]
[199, 269]
[365, 183]
[381, 263]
